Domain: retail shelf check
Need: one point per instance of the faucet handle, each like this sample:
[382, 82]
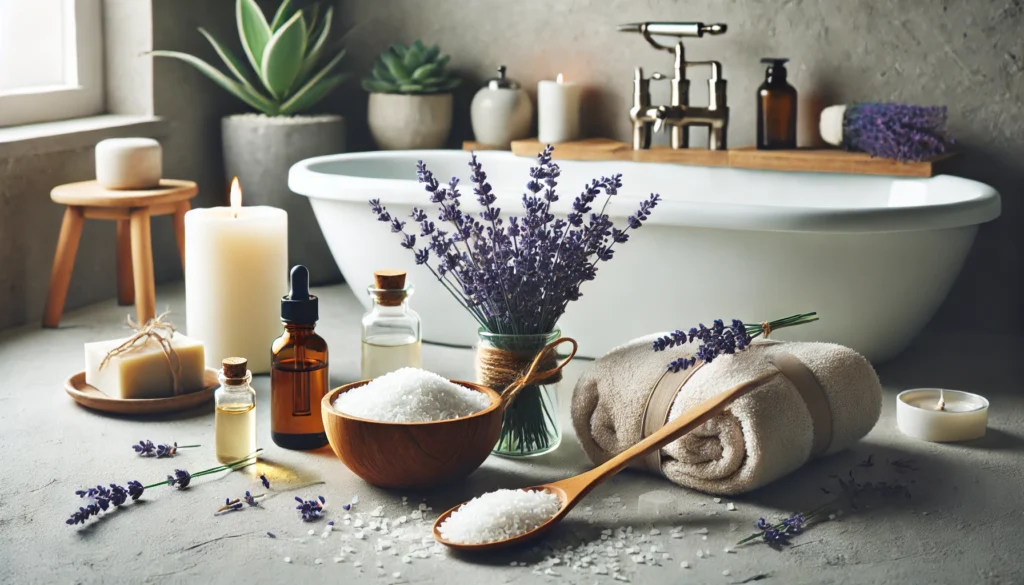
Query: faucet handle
[657, 76]
[660, 115]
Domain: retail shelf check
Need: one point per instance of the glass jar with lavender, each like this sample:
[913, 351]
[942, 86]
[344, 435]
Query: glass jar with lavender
[530, 425]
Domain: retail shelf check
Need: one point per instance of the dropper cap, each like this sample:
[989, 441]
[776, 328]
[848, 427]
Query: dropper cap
[298, 306]
[776, 68]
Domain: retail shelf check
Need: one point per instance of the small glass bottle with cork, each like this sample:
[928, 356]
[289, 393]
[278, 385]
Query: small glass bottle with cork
[235, 420]
[298, 376]
[392, 335]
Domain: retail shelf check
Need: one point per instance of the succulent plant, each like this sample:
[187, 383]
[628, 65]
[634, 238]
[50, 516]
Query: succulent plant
[289, 55]
[410, 69]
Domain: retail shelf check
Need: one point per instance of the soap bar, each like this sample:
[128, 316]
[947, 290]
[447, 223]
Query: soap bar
[144, 372]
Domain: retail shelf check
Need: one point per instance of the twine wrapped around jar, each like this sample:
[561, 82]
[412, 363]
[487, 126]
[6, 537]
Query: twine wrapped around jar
[509, 371]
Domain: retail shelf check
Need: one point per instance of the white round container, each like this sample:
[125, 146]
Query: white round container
[129, 163]
[964, 417]
[501, 112]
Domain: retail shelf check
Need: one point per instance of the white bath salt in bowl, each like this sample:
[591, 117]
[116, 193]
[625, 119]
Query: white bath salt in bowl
[411, 395]
[499, 515]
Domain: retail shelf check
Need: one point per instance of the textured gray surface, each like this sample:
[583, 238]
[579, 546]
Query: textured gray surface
[968, 55]
[961, 526]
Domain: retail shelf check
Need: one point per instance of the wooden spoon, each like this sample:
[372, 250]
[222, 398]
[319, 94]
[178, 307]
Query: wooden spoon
[570, 491]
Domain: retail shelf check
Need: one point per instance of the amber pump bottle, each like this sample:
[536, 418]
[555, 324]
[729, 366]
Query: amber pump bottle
[298, 376]
[776, 108]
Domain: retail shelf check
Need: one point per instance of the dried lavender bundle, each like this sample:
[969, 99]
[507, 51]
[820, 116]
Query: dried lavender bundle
[896, 131]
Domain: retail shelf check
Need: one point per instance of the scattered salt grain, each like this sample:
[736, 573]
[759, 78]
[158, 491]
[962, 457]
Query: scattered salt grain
[287, 559]
[380, 565]
[396, 574]
[318, 561]
[701, 531]
[685, 564]
[726, 573]
[311, 532]
[499, 515]
[728, 551]
[731, 507]
[704, 538]
[700, 554]
[411, 395]
[339, 559]
[718, 500]
[831, 516]
[357, 564]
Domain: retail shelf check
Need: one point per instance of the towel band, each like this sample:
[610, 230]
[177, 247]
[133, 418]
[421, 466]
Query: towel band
[663, 395]
[814, 397]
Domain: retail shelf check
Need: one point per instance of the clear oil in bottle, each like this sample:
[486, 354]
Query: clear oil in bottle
[235, 418]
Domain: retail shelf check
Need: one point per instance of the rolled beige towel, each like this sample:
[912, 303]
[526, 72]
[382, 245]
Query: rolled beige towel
[760, 438]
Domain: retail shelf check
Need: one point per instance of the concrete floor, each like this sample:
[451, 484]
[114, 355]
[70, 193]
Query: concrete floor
[963, 523]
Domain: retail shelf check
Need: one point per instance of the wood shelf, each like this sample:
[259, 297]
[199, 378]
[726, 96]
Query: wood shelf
[808, 160]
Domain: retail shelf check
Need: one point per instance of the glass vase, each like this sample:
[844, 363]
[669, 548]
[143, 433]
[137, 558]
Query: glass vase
[530, 424]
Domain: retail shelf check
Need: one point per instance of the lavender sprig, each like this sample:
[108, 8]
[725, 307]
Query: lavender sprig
[146, 448]
[721, 340]
[310, 509]
[101, 498]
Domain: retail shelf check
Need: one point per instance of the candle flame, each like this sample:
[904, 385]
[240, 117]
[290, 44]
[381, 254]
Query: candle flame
[559, 79]
[236, 196]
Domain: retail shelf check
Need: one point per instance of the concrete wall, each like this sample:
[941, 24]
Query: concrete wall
[968, 55]
[137, 85]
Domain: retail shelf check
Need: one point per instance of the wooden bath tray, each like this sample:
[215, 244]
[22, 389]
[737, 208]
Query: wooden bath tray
[809, 160]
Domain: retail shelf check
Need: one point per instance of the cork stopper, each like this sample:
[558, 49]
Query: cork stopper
[389, 279]
[235, 368]
[393, 283]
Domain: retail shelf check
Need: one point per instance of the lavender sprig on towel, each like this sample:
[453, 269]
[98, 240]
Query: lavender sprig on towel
[721, 340]
[515, 276]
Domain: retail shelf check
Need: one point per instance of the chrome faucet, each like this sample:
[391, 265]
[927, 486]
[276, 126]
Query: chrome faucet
[679, 114]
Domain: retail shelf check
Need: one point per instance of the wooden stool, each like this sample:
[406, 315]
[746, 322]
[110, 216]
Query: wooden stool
[131, 210]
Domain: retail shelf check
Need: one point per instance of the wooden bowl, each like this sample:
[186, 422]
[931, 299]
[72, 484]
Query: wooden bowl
[412, 455]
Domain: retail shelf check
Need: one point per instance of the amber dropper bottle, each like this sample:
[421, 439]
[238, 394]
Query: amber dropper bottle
[298, 376]
[776, 108]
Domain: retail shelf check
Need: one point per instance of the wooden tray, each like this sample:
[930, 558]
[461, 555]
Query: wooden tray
[90, 397]
[812, 160]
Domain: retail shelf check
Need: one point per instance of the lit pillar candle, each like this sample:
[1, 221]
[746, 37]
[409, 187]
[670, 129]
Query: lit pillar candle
[558, 111]
[236, 271]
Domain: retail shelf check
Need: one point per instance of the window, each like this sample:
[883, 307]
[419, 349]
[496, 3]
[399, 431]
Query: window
[51, 60]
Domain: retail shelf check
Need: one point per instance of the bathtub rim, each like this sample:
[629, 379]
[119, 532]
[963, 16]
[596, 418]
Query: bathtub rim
[983, 205]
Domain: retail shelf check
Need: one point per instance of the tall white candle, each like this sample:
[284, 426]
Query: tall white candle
[558, 110]
[236, 271]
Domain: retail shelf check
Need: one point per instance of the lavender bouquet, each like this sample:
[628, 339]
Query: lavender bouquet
[517, 276]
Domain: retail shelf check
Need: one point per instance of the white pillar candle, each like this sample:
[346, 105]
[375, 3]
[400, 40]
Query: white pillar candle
[964, 416]
[558, 111]
[236, 271]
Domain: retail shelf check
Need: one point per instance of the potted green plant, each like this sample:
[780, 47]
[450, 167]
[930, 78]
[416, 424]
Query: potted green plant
[410, 97]
[290, 65]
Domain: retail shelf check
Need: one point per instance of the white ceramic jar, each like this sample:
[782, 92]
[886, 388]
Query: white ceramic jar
[129, 163]
[501, 112]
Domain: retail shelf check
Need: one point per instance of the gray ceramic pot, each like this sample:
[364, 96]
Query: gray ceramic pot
[259, 150]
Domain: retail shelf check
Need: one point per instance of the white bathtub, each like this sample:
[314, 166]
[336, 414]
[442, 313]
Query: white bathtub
[875, 256]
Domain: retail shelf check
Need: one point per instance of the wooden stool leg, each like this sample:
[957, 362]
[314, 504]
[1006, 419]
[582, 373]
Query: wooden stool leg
[179, 229]
[142, 265]
[125, 287]
[63, 264]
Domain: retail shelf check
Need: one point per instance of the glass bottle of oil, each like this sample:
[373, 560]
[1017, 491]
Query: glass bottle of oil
[298, 375]
[235, 420]
[776, 108]
[391, 330]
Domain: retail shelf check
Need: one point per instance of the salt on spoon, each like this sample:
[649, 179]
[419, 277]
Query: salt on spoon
[481, 536]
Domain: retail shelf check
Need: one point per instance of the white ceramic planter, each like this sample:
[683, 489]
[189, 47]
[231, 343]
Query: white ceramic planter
[404, 122]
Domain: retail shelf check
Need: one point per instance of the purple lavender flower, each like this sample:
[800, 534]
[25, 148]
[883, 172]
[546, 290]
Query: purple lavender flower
[180, 479]
[310, 509]
[896, 131]
[101, 500]
[515, 274]
[135, 489]
[250, 499]
[166, 450]
[145, 448]
[266, 482]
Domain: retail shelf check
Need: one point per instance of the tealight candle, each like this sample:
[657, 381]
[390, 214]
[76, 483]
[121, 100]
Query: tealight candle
[941, 416]
[558, 110]
[236, 271]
